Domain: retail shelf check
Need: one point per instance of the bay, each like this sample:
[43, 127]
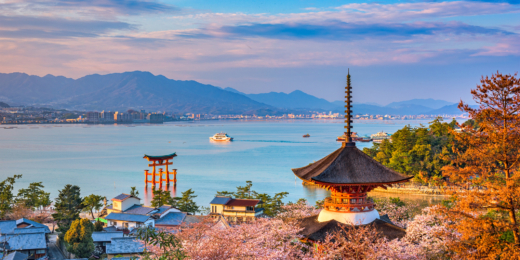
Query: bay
[108, 159]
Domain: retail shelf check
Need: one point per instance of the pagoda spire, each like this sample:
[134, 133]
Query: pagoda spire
[348, 116]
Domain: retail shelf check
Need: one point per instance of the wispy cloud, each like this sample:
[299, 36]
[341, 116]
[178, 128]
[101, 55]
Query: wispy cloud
[50, 27]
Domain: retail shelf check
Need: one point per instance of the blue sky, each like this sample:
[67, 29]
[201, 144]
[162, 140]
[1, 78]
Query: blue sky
[396, 50]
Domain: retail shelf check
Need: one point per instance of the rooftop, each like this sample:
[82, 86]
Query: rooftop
[349, 165]
[160, 157]
[33, 224]
[127, 217]
[171, 219]
[123, 196]
[243, 202]
[220, 200]
[7, 226]
[139, 210]
[104, 236]
[16, 256]
[124, 245]
[25, 241]
[29, 230]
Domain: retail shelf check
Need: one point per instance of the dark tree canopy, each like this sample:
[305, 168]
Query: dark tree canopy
[68, 206]
[6, 195]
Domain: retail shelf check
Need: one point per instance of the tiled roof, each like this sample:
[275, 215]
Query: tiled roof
[124, 245]
[29, 230]
[33, 223]
[16, 256]
[127, 217]
[110, 229]
[242, 202]
[7, 226]
[25, 241]
[220, 200]
[105, 236]
[190, 219]
[139, 210]
[162, 209]
[171, 219]
[123, 196]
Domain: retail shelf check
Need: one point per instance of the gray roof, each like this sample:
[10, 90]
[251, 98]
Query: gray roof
[16, 256]
[171, 219]
[25, 241]
[163, 209]
[121, 197]
[33, 223]
[29, 230]
[220, 200]
[105, 236]
[139, 210]
[127, 217]
[7, 226]
[349, 165]
[124, 245]
[110, 229]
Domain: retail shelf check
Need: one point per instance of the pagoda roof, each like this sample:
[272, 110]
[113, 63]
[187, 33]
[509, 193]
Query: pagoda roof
[349, 165]
[318, 231]
[160, 157]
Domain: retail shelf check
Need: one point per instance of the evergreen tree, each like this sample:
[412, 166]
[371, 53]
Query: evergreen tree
[162, 197]
[134, 192]
[68, 205]
[79, 238]
[186, 203]
[6, 195]
[92, 202]
[34, 196]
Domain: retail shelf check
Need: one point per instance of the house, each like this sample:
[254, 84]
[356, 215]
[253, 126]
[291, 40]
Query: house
[101, 239]
[236, 209]
[126, 213]
[124, 247]
[28, 238]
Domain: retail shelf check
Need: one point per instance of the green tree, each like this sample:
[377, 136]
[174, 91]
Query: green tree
[34, 196]
[186, 203]
[134, 192]
[68, 206]
[162, 197]
[98, 226]
[79, 238]
[92, 202]
[6, 195]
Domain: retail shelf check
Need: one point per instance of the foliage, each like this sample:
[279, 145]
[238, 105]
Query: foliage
[271, 205]
[6, 195]
[145, 234]
[68, 206]
[164, 246]
[34, 196]
[300, 209]
[162, 197]
[92, 202]
[134, 192]
[417, 151]
[398, 211]
[79, 238]
[98, 226]
[185, 203]
[19, 210]
[485, 167]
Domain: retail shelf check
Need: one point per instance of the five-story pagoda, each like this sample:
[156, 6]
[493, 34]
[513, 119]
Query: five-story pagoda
[349, 174]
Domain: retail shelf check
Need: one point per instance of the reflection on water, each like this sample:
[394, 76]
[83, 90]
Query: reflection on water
[148, 193]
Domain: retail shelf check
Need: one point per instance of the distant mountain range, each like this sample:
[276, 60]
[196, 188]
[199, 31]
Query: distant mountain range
[143, 90]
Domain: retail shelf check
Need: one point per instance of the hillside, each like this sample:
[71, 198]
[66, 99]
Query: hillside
[4, 105]
[294, 100]
[429, 103]
[121, 91]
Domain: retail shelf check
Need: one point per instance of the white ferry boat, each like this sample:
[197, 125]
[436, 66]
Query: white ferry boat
[221, 137]
[379, 137]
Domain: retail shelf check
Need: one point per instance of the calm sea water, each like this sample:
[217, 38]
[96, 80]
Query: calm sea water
[108, 159]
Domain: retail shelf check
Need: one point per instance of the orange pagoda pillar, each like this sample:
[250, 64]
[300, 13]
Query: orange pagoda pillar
[160, 175]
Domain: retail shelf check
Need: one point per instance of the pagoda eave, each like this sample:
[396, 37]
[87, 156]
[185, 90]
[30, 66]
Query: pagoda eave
[357, 184]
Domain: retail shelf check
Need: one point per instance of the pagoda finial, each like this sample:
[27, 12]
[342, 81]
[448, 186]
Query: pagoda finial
[348, 110]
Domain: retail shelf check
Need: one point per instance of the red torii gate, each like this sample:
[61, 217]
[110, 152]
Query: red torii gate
[164, 175]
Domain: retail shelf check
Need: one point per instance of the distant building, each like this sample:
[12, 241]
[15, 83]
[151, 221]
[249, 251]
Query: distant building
[156, 118]
[107, 117]
[236, 209]
[93, 117]
[120, 117]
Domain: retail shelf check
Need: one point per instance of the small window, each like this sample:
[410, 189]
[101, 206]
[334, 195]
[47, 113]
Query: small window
[41, 251]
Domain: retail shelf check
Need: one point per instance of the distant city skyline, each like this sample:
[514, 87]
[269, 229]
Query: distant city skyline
[395, 50]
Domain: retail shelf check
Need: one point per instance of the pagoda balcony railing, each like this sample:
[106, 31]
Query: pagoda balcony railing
[365, 205]
[349, 202]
